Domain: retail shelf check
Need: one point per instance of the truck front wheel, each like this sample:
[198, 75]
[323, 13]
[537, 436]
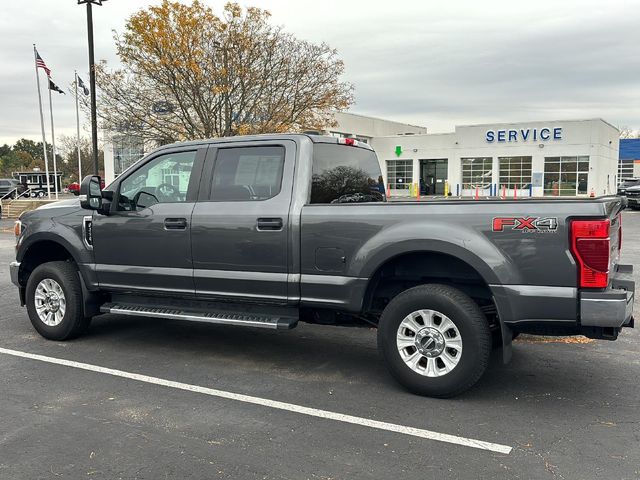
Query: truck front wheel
[54, 301]
[435, 340]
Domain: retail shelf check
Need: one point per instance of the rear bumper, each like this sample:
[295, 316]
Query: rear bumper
[611, 308]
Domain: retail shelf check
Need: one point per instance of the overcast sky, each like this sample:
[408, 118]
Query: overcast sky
[432, 63]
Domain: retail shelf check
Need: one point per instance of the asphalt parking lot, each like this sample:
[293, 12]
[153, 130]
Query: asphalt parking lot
[568, 410]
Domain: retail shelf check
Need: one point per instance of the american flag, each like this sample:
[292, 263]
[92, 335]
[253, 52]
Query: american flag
[40, 64]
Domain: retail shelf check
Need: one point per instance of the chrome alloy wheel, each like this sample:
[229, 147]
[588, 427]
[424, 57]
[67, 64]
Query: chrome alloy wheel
[429, 343]
[50, 302]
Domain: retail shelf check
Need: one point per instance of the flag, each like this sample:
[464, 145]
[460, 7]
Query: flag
[54, 87]
[84, 88]
[40, 64]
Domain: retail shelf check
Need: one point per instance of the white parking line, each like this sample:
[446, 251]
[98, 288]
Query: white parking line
[290, 407]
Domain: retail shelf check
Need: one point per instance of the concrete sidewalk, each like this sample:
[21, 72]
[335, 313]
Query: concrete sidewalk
[6, 225]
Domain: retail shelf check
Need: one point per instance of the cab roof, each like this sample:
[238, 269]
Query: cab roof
[270, 136]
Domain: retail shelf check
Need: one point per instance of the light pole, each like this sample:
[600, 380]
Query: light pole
[92, 81]
[228, 116]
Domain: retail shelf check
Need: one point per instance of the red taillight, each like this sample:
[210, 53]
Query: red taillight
[347, 141]
[590, 245]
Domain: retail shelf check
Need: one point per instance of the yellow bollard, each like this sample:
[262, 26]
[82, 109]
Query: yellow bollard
[446, 188]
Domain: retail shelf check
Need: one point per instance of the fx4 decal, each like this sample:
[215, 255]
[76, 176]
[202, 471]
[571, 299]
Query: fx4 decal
[525, 224]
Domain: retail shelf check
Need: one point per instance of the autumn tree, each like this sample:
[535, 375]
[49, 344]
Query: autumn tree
[628, 132]
[188, 73]
[24, 155]
[69, 164]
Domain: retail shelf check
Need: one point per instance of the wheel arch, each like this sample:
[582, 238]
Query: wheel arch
[415, 267]
[423, 266]
[42, 250]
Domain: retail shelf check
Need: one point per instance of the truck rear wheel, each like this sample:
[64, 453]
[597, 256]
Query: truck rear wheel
[54, 301]
[435, 340]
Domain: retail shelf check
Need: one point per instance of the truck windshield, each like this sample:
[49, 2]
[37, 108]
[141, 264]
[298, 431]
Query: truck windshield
[345, 174]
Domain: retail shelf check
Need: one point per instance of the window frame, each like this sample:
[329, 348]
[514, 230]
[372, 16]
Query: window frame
[194, 179]
[288, 172]
[509, 160]
[341, 146]
[408, 163]
[472, 172]
[216, 156]
[564, 160]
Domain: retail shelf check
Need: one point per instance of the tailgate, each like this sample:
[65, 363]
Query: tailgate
[614, 208]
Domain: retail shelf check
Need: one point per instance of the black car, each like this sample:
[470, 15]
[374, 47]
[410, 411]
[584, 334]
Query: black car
[626, 183]
[633, 197]
[11, 188]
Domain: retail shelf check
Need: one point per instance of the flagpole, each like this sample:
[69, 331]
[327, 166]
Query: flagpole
[78, 130]
[53, 145]
[44, 140]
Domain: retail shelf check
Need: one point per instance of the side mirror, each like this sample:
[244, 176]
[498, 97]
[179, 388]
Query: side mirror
[91, 193]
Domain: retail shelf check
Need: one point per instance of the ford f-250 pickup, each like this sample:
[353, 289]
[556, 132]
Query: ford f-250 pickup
[266, 231]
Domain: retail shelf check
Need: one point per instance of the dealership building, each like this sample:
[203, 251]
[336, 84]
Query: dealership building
[629, 158]
[552, 158]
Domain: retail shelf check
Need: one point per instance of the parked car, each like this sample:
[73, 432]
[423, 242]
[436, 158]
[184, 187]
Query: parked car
[627, 183]
[75, 187]
[267, 231]
[633, 197]
[11, 188]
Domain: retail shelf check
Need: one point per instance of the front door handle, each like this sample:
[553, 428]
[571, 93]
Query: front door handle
[269, 224]
[175, 223]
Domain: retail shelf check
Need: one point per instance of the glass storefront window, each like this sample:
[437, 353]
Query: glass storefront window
[515, 173]
[399, 174]
[566, 176]
[127, 150]
[476, 173]
[625, 170]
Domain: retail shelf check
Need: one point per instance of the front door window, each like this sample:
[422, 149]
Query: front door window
[165, 179]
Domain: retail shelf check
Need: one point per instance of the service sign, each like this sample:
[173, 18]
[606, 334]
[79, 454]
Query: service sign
[510, 135]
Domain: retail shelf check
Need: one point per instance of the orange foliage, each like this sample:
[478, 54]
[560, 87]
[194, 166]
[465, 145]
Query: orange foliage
[220, 75]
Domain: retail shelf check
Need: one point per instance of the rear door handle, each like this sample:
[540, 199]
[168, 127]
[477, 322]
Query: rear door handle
[269, 224]
[175, 223]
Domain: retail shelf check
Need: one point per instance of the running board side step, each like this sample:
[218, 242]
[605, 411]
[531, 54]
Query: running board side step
[217, 317]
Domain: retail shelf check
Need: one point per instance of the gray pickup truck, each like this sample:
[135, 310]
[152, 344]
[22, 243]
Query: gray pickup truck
[267, 231]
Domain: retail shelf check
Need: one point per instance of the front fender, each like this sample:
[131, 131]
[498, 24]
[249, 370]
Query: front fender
[69, 236]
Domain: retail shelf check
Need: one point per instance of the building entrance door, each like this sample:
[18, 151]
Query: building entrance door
[433, 174]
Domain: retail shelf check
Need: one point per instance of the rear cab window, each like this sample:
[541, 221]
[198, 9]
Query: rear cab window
[345, 174]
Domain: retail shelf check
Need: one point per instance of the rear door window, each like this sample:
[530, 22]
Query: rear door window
[247, 173]
[345, 174]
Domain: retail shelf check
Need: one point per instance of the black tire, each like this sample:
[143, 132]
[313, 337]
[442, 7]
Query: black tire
[468, 319]
[73, 323]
